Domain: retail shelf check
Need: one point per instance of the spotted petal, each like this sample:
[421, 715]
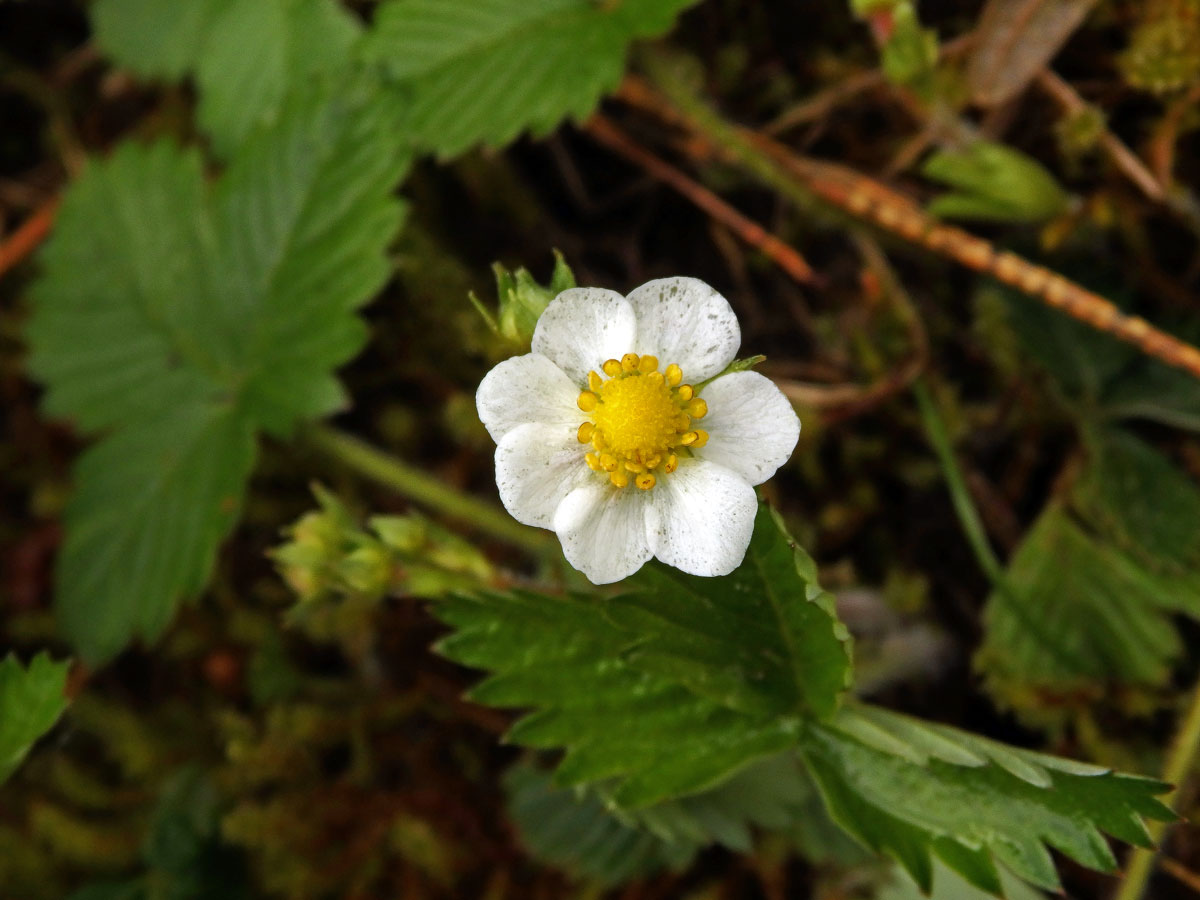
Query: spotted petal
[537, 465]
[684, 321]
[524, 389]
[751, 425]
[603, 530]
[702, 518]
[582, 327]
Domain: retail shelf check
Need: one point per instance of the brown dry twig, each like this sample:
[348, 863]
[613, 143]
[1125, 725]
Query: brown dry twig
[868, 200]
[749, 231]
[28, 236]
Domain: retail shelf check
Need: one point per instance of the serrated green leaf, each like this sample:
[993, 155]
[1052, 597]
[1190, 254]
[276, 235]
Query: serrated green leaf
[672, 687]
[247, 56]
[151, 505]
[949, 885]
[178, 319]
[1008, 808]
[483, 71]
[31, 700]
[764, 640]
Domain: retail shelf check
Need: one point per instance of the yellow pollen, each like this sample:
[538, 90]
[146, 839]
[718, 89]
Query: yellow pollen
[641, 417]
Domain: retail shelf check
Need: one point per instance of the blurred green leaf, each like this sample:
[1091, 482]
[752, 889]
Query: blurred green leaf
[31, 700]
[483, 71]
[949, 885]
[993, 182]
[589, 837]
[247, 56]
[915, 791]
[191, 319]
[1089, 594]
[911, 53]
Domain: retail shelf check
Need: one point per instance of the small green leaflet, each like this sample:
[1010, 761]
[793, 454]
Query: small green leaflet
[195, 317]
[915, 790]
[483, 71]
[31, 700]
[639, 693]
[247, 56]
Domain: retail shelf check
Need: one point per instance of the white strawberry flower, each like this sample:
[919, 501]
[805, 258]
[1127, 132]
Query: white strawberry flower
[597, 436]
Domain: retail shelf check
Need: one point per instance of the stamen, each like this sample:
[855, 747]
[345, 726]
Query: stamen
[594, 382]
[701, 438]
[674, 375]
[648, 364]
[619, 478]
[697, 408]
[685, 392]
[672, 463]
[645, 481]
[585, 432]
[629, 362]
[611, 367]
[634, 466]
[593, 461]
[608, 462]
[690, 438]
[587, 401]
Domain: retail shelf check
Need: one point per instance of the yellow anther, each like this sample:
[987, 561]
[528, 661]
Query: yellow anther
[619, 478]
[674, 374]
[611, 367]
[655, 377]
[685, 392]
[701, 438]
[585, 432]
[697, 408]
[608, 462]
[672, 463]
[653, 461]
[593, 461]
[645, 481]
[634, 466]
[683, 423]
[648, 364]
[598, 440]
[690, 438]
[629, 362]
[594, 382]
[587, 401]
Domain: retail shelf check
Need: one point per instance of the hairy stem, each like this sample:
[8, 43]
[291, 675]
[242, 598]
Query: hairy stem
[421, 487]
[1181, 760]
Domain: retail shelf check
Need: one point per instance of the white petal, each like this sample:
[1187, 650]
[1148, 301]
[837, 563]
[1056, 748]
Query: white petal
[603, 530]
[582, 327]
[684, 321]
[702, 518]
[536, 467]
[523, 389]
[752, 428]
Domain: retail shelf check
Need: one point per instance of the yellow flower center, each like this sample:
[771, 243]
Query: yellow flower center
[641, 420]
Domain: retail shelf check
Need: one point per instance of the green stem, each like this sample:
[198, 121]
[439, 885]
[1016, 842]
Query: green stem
[964, 508]
[421, 487]
[1181, 760]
